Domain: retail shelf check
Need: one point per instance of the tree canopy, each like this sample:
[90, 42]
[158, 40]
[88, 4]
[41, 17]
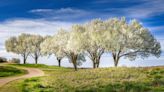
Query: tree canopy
[121, 38]
[19, 45]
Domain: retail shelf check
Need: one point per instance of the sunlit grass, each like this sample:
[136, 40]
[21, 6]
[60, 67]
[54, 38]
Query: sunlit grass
[6, 71]
[120, 79]
[41, 66]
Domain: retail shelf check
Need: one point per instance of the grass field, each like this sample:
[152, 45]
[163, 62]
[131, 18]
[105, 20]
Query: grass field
[120, 79]
[6, 71]
[40, 66]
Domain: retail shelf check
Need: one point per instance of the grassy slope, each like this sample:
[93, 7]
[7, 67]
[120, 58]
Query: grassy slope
[6, 71]
[93, 80]
[15, 86]
[40, 66]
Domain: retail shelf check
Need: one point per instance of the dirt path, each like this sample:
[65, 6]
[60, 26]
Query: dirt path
[32, 72]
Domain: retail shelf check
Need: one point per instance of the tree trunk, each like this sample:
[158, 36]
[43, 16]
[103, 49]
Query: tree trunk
[95, 57]
[59, 62]
[74, 61]
[36, 59]
[94, 65]
[98, 61]
[116, 60]
[93, 61]
[97, 65]
[36, 56]
[75, 66]
[24, 55]
[24, 60]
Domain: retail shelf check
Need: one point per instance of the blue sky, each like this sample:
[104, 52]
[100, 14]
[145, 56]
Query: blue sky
[45, 17]
[149, 12]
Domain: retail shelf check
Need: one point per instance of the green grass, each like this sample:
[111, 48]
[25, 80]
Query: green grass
[6, 71]
[119, 79]
[41, 66]
[14, 86]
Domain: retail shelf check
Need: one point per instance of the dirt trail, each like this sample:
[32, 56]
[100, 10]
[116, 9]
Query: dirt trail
[32, 72]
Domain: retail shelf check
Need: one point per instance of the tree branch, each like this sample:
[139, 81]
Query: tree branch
[130, 53]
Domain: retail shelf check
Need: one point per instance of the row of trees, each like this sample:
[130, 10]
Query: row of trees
[25, 45]
[115, 35]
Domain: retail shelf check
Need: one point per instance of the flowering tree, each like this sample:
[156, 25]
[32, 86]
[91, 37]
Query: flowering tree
[94, 40]
[76, 45]
[115, 35]
[130, 40]
[50, 46]
[65, 44]
[34, 46]
[19, 45]
[45, 46]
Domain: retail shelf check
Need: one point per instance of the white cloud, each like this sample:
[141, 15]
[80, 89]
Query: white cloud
[70, 10]
[62, 13]
[41, 10]
[43, 27]
[142, 9]
[58, 11]
[146, 9]
[157, 28]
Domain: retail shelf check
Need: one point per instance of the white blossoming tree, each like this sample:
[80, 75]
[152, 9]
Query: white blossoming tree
[19, 45]
[34, 46]
[130, 40]
[115, 35]
[66, 44]
[75, 46]
[50, 46]
[94, 40]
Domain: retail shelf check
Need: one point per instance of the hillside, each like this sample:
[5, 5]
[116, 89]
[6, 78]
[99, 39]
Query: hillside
[121, 79]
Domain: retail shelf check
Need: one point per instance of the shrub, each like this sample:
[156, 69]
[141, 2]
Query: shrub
[2, 60]
[15, 60]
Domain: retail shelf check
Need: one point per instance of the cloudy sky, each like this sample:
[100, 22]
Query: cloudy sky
[45, 17]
